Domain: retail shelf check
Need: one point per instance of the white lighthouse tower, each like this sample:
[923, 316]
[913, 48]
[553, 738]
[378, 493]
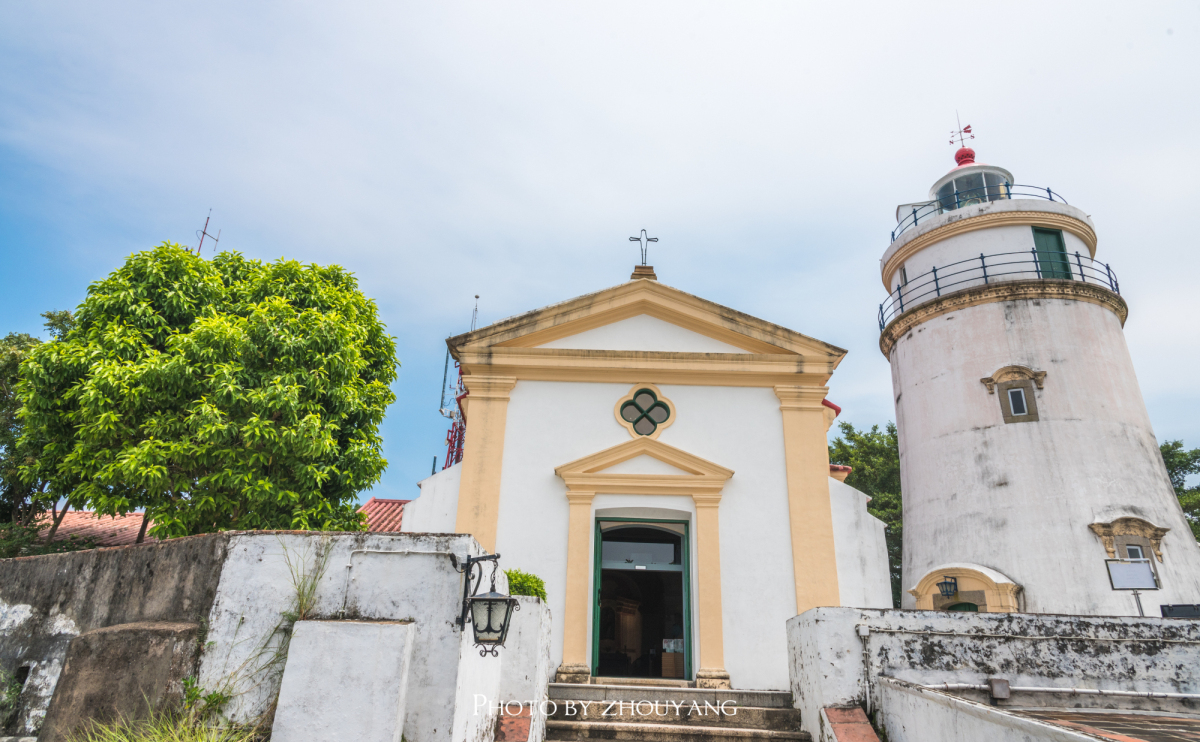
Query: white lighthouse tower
[1031, 475]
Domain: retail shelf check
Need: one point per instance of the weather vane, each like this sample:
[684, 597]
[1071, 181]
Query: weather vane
[644, 241]
[962, 134]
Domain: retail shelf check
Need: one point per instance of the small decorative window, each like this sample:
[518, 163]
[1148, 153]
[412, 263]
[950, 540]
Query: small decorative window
[645, 411]
[1134, 552]
[1016, 402]
[1014, 385]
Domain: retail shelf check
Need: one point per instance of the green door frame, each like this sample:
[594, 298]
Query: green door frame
[687, 588]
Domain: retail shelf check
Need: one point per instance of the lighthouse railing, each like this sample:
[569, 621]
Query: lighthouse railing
[996, 268]
[921, 213]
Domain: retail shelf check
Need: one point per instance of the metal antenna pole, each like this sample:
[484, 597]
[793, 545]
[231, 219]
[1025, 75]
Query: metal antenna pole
[202, 233]
[475, 314]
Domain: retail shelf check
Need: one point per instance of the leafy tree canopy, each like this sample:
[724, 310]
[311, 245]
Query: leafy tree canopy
[875, 458]
[1181, 464]
[229, 394]
[17, 501]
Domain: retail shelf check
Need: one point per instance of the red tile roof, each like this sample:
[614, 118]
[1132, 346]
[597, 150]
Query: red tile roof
[106, 530]
[383, 516]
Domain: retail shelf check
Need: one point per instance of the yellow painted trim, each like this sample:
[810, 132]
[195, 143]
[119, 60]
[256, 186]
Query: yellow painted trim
[483, 456]
[806, 452]
[579, 582]
[1049, 220]
[644, 296]
[1000, 292]
[632, 367]
[1001, 597]
[1129, 526]
[703, 482]
[661, 397]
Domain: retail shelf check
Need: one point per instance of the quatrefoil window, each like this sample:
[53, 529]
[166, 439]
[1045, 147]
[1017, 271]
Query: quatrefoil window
[645, 412]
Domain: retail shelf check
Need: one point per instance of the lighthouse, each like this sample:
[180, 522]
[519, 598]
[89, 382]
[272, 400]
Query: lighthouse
[1031, 475]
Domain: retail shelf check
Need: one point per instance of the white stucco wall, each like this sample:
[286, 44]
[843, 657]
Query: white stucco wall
[1018, 497]
[526, 669]
[645, 333]
[553, 423]
[910, 714]
[861, 547]
[344, 680]
[436, 509]
[969, 245]
[414, 581]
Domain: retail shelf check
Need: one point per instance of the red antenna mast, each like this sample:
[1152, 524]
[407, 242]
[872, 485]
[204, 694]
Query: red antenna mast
[202, 233]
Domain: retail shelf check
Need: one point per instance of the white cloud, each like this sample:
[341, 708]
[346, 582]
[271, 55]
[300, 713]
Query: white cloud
[508, 149]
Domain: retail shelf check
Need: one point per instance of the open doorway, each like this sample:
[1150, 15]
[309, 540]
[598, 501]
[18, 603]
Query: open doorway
[642, 611]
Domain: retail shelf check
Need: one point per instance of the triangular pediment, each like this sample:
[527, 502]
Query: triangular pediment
[602, 472]
[714, 328]
[643, 464]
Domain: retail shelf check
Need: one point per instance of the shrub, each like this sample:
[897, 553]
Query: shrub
[165, 727]
[523, 583]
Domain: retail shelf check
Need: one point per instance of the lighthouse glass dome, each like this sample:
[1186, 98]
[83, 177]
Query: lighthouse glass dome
[982, 185]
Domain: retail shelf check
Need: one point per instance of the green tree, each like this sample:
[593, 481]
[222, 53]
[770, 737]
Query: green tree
[18, 503]
[1182, 463]
[875, 457]
[229, 394]
[24, 503]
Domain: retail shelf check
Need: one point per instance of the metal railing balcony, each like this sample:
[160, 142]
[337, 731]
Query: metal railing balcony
[959, 199]
[987, 269]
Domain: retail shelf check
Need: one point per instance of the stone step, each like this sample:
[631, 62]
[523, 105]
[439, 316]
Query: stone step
[571, 731]
[627, 693]
[644, 682]
[646, 712]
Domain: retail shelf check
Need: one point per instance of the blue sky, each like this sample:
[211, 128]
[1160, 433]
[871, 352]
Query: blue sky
[442, 150]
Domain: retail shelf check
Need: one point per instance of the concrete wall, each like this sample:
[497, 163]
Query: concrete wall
[833, 665]
[436, 509]
[1019, 497]
[121, 672]
[367, 576]
[861, 545]
[47, 601]
[367, 662]
[526, 669]
[907, 713]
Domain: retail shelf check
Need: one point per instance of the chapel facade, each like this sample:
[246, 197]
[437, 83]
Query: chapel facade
[661, 462]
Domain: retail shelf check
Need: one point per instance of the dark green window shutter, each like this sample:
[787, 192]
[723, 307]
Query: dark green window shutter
[1051, 253]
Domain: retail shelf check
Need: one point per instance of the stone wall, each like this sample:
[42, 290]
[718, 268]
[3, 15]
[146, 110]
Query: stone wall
[838, 656]
[47, 601]
[232, 600]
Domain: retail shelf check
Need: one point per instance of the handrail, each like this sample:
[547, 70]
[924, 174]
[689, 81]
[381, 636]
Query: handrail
[995, 268]
[925, 211]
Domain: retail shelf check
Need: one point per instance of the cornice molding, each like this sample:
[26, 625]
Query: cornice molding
[809, 398]
[1000, 292]
[633, 367]
[1050, 220]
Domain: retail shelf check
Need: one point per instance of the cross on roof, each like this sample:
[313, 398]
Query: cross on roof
[644, 240]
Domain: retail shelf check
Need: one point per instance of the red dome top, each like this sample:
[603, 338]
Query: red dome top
[965, 156]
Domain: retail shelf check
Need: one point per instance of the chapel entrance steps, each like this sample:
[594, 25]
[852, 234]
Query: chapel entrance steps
[666, 714]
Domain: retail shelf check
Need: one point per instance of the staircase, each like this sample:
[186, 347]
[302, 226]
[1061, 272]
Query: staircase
[660, 711]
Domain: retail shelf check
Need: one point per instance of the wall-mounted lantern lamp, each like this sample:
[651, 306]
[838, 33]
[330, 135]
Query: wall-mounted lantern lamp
[491, 613]
[948, 587]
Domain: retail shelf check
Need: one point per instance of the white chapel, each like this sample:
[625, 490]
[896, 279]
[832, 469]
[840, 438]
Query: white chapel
[661, 462]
